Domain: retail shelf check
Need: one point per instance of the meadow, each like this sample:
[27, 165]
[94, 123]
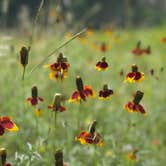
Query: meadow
[122, 132]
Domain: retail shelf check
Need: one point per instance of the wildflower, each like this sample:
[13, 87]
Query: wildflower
[134, 106]
[57, 107]
[133, 155]
[108, 31]
[82, 38]
[102, 65]
[103, 47]
[137, 50]
[34, 96]
[134, 75]
[156, 142]
[82, 91]
[24, 56]
[38, 112]
[7, 124]
[8, 164]
[3, 155]
[59, 69]
[105, 93]
[89, 32]
[163, 40]
[91, 136]
[147, 50]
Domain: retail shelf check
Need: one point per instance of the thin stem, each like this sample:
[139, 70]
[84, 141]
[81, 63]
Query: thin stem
[55, 117]
[23, 73]
[57, 49]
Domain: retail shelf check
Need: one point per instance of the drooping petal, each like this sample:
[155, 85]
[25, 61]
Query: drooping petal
[101, 66]
[40, 98]
[75, 97]
[139, 76]
[88, 91]
[7, 124]
[85, 137]
[141, 109]
[2, 130]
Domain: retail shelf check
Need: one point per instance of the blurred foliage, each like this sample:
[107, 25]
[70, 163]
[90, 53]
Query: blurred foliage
[93, 13]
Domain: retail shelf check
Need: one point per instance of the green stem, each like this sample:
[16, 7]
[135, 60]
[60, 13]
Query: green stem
[23, 73]
[54, 138]
[79, 113]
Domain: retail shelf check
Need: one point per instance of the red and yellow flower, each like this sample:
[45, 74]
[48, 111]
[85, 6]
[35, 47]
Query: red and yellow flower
[102, 47]
[82, 91]
[147, 50]
[137, 50]
[59, 69]
[102, 65]
[108, 31]
[7, 124]
[34, 99]
[105, 93]
[89, 32]
[134, 106]
[8, 164]
[91, 136]
[132, 156]
[163, 40]
[134, 75]
[56, 106]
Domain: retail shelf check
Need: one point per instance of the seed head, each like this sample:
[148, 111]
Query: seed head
[24, 56]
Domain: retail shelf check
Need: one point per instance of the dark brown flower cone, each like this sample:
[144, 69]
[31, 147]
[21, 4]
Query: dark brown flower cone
[138, 97]
[79, 84]
[59, 158]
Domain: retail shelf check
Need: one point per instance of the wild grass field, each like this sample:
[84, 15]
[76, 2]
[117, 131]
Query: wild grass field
[123, 133]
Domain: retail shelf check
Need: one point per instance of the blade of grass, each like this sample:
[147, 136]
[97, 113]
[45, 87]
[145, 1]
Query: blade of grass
[57, 49]
[35, 22]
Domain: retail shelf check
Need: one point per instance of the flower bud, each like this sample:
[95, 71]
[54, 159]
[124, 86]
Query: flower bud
[138, 44]
[3, 155]
[24, 56]
[34, 92]
[57, 101]
[134, 68]
[105, 87]
[59, 158]
[103, 59]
